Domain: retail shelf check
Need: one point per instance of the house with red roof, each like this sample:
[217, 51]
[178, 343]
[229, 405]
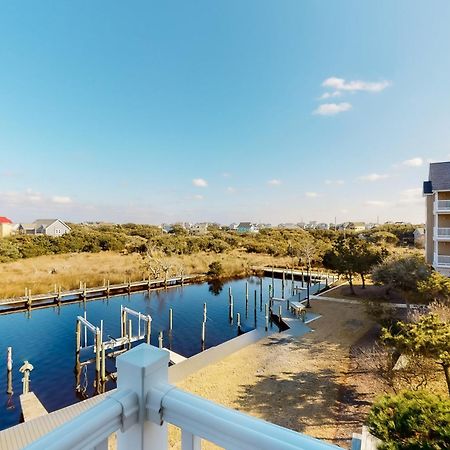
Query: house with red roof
[6, 226]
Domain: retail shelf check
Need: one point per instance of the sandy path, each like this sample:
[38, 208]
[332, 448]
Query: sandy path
[300, 383]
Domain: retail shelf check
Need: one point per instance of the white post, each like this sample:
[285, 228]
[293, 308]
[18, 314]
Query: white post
[138, 370]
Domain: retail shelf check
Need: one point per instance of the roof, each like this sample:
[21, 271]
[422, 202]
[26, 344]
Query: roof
[5, 220]
[439, 176]
[245, 225]
[47, 222]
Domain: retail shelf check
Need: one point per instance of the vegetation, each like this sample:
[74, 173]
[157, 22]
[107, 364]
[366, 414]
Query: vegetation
[411, 421]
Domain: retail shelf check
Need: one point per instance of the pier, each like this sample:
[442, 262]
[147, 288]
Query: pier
[57, 298]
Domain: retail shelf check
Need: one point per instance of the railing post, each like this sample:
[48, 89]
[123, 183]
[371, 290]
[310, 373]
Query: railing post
[139, 370]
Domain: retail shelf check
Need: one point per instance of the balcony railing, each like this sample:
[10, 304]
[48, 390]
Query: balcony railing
[442, 232]
[442, 205]
[143, 405]
[443, 260]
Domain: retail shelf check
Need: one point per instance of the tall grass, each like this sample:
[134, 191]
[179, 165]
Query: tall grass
[42, 273]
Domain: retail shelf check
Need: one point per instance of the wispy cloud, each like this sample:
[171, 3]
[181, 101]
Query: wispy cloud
[61, 199]
[412, 196]
[413, 162]
[336, 182]
[274, 182]
[198, 197]
[199, 182]
[327, 95]
[312, 194]
[373, 177]
[331, 109]
[339, 84]
[231, 190]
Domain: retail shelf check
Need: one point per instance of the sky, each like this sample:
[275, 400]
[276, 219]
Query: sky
[227, 110]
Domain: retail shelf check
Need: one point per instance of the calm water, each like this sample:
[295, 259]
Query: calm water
[47, 338]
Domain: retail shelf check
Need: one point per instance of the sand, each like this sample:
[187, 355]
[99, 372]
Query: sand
[304, 383]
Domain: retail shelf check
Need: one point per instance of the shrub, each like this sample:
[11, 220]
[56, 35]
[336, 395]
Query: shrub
[215, 269]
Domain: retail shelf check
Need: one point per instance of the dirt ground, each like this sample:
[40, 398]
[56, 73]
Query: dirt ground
[370, 292]
[304, 383]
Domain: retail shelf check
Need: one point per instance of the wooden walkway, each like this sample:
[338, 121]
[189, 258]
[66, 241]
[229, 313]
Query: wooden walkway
[31, 406]
[84, 293]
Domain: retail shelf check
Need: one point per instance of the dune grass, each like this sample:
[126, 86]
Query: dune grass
[42, 273]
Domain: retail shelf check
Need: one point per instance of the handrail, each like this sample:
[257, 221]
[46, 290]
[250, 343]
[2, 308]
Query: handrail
[226, 427]
[92, 426]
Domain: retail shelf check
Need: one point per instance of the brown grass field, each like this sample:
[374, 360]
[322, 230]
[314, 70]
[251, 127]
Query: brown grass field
[40, 274]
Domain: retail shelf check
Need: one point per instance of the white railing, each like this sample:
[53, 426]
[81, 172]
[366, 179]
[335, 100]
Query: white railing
[442, 205]
[145, 402]
[442, 232]
[443, 260]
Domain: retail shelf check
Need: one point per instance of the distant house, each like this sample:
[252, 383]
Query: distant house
[356, 226]
[6, 227]
[50, 227]
[419, 237]
[247, 227]
[199, 228]
[322, 226]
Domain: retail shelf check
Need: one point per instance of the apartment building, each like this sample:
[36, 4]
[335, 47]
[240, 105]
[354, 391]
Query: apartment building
[437, 237]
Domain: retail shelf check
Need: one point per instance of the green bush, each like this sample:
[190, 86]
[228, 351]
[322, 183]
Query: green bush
[411, 420]
[215, 269]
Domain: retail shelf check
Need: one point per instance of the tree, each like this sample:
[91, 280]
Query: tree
[428, 337]
[436, 287]
[402, 273]
[215, 269]
[411, 421]
[351, 255]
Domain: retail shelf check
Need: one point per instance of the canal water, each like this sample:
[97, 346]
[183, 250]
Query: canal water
[46, 338]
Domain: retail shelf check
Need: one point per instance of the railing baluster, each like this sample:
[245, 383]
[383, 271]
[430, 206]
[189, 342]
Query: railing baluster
[189, 441]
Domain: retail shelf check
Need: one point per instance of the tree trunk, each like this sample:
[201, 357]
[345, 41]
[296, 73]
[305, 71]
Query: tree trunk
[447, 376]
[350, 283]
[363, 280]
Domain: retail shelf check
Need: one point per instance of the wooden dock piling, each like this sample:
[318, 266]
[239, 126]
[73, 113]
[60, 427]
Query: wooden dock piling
[170, 319]
[160, 339]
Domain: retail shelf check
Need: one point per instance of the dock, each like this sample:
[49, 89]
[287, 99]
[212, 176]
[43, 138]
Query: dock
[83, 293]
[31, 406]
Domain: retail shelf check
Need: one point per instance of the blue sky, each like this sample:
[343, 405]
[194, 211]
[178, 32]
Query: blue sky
[273, 111]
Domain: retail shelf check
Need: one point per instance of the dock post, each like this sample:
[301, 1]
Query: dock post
[260, 293]
[266, 314]
[103, 366]
[273, 276]
[123, 322]
[231, 309]
[129, 285]
[77, 344]
[26, 369]
[182, 280]
[246, 291]
[283, 282]
[160, 339]
[9, 366]
[29, 299]
[98, 345]
[171, 319]
[84, 291]
[203, 334]
[130, 334]
[270, 291]
[229, 294]
[255, 299]
[303, 279]
[149, 329]
[204, 312]
[279, 313]
[59, 294]
[107, 288]
[238, 320]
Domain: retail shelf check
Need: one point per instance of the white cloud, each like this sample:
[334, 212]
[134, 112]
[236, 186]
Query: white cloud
[327, 95]
[330, 109]
[311, 194]
[337, 182]
[373, 177]
[198, 197]
[60, 199]
[339, 84]
[231, 189]
[414, 162]
[274, 182]
[378, 203]
[199, 182]
[410, 196]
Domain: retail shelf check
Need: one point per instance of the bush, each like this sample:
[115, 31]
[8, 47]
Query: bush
[215, 269]
[411, 420]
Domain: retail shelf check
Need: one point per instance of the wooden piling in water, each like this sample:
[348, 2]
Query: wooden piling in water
[130, 334]
[231, 309]
[260, 293]
[149, 329]
[77, 344]
[98, 345]
[204, 312]
[107, 288]
[170, 319]
[203, 333]
[238, 320]
[160, 339]
[283, 282]
[279, 313]
[255, 299]
[266, 313]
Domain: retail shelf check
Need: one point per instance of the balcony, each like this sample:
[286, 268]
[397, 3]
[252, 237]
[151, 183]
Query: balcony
[144, 403]
[442, 234]
[442, 206]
